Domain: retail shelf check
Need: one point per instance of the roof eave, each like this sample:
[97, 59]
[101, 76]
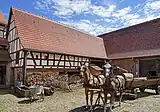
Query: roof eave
[129, 57]
[46, 51]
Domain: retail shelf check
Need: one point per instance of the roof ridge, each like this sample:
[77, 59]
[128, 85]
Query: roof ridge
[124, 28]
[2, 18]
[53, 21]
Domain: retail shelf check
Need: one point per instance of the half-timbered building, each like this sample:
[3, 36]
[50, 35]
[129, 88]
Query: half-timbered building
[4, 56]
[39, 44]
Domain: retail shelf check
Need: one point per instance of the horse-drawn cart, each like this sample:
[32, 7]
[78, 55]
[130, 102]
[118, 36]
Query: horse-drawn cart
[142, 83]
[106, 81]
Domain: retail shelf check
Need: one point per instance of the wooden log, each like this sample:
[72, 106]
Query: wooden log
[49, 79]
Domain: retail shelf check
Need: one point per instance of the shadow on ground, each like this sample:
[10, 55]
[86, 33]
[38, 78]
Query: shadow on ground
[145, 94]
[9, 91]
[27, 101]
[125, 97]
[83, 109]
[139, 95]
[4, 91]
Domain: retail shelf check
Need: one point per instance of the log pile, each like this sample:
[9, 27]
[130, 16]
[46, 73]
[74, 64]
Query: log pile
[49, 79]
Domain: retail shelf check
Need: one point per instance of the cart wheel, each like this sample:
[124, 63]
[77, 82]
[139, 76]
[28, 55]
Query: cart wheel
[142, 89]
[158, 90]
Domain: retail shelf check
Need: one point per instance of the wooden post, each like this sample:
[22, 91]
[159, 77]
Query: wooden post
[40, 59]
[69, 62]
[89, 62]
[64, 61]
[47, 59]
[137, 68]
[54, 60]
[59, 61]
[24, 67]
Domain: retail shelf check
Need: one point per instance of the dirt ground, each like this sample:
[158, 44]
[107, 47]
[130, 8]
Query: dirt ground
[62, 101]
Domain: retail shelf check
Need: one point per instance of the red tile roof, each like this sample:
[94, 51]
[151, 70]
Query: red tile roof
[39, 33]
[2, 19]
[135, 41]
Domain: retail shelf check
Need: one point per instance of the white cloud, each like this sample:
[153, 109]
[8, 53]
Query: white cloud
[87, 26]
[41, 6]
[122, 12]
[69, 7]
[131, 19]
[108, 20]
[63, 7]
[153, 5]
[64, 12]
[103, 11]
[106, 17]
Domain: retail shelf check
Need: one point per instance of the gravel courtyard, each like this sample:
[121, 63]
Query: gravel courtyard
[74, 101]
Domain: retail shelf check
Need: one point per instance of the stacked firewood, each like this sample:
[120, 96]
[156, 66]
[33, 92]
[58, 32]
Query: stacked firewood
[49, 79]
[34, 78]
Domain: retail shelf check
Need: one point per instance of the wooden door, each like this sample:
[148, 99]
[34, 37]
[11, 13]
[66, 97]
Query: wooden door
[2, 74]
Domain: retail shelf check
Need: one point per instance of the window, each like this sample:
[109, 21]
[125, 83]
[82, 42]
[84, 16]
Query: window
[46, 57]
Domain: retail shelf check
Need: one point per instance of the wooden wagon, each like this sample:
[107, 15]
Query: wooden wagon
[142, 83]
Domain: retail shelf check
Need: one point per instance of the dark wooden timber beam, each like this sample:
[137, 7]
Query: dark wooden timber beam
[54, 59]
[47, 58]
[74, 61]
[59, 60]
[69, 61]
[64, 61]
[13, 40]
[40, 58]
[12, 29]
[24, 67]
[78, 61]
[34, 61]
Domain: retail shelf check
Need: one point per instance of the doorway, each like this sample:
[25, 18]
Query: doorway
[150, 68]
[2, 74]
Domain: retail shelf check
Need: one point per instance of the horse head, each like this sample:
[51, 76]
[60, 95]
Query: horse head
[109, 74]
[107, 69]
[82, 68]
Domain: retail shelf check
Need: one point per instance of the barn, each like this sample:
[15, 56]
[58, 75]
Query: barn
[37, 44]
[4, 56]
[136, 48]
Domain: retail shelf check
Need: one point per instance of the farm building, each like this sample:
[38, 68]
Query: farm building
[37, 44]
[136, 48]
[4, 56]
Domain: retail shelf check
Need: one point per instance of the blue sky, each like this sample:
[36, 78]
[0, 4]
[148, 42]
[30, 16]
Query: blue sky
[93, 16]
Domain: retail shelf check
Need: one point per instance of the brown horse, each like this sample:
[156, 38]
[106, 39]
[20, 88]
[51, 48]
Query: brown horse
[113, 83]
[92, 83]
